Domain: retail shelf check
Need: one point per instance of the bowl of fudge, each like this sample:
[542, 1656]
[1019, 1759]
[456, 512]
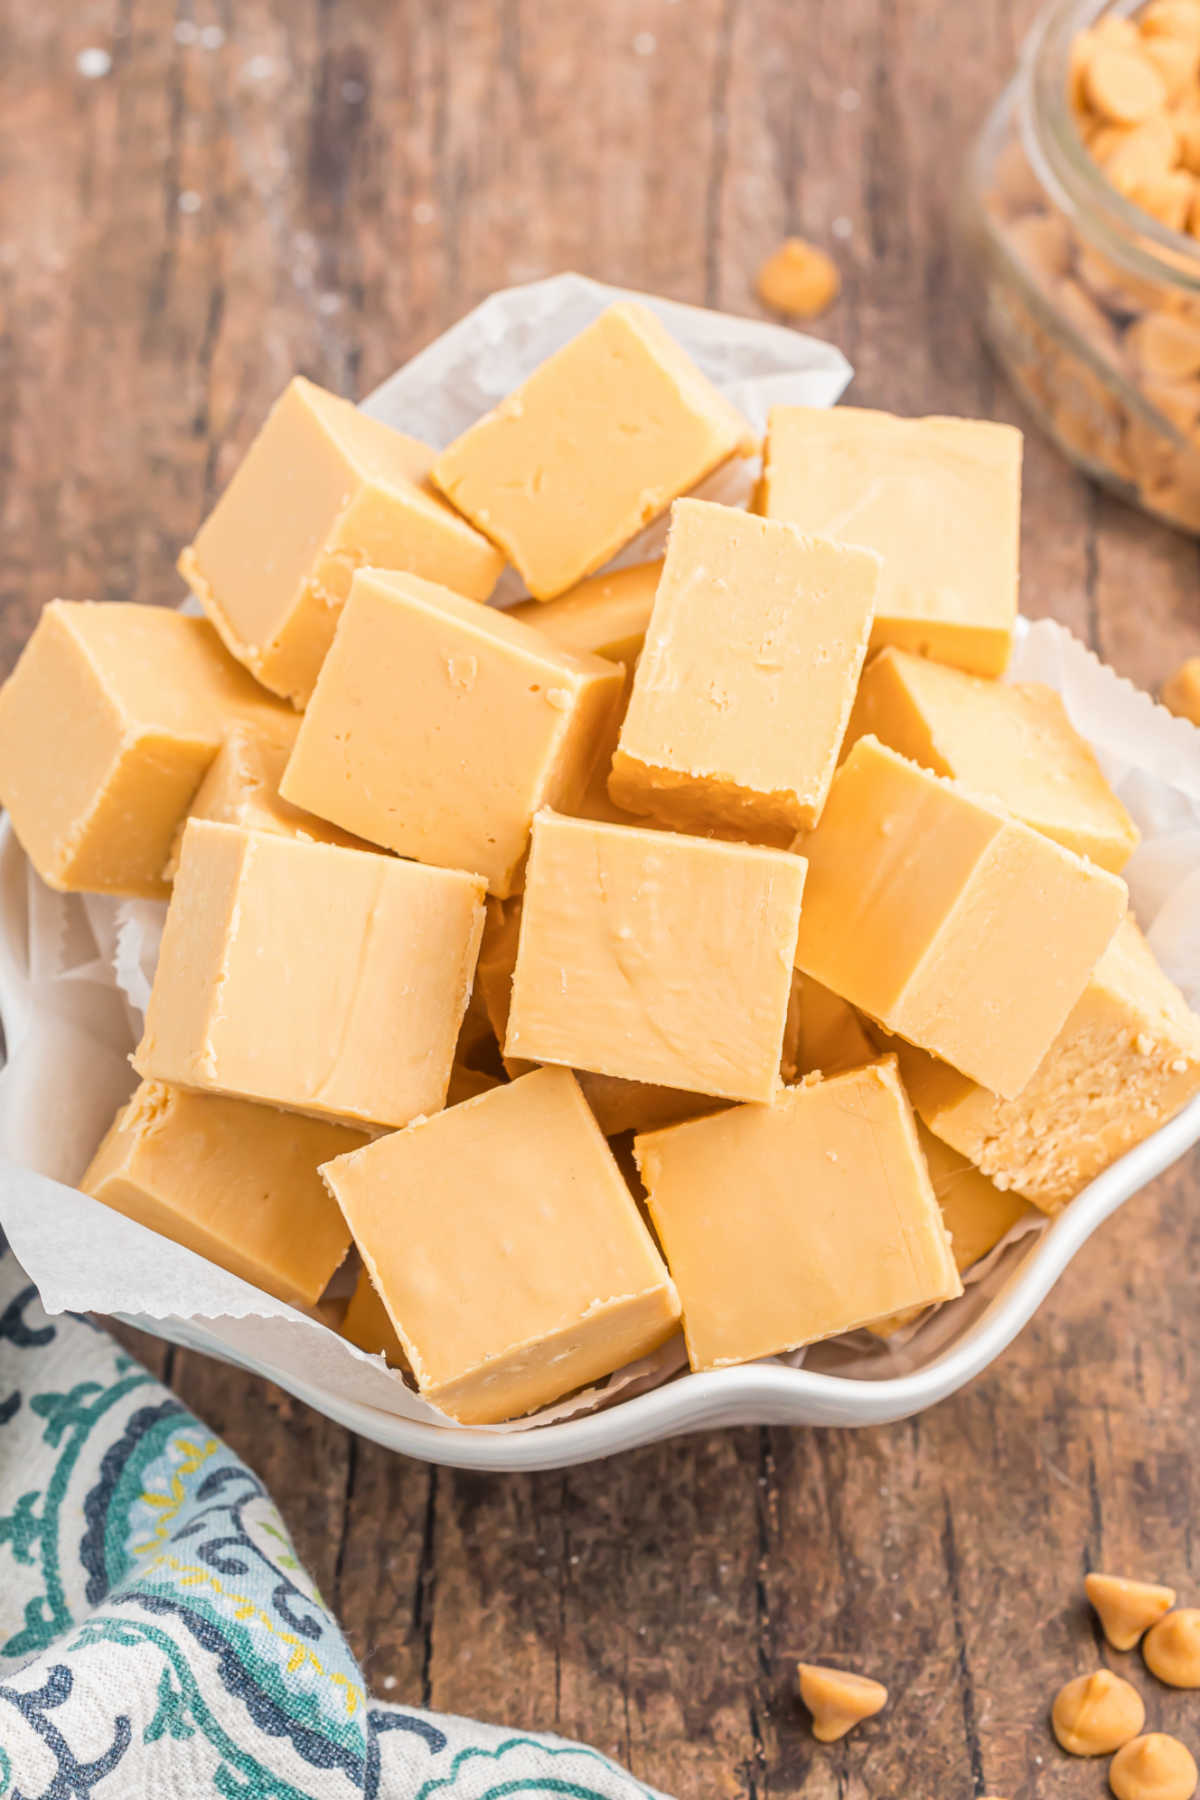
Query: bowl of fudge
[604, 947]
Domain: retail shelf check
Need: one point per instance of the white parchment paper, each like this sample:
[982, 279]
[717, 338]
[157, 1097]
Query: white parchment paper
[75, 971]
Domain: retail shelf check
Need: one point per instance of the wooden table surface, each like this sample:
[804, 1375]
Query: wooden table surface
[257, 188]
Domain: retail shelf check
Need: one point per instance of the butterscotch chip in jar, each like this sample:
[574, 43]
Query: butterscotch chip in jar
[1181, 695]
[800, 279]
[1123, 85]
[1163, 344]
[1172, 1648]
[1177, 401]
[838, 1700]
[1154, 1767]
[1171, 18]
[1121, 32]
[1095, 1714]
[1126, 1608]
[1176, 60]
[1142, 154]
[1169, 198]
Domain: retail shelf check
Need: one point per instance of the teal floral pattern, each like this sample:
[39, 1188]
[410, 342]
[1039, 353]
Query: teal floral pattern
[158, 1635]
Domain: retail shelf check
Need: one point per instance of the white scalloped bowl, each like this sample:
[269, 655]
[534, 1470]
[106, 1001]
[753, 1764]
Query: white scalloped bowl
[1138, 743]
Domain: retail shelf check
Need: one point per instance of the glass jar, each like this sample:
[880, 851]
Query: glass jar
[1091, 304]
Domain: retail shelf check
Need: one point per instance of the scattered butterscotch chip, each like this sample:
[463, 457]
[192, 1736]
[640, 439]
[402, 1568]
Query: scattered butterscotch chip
[1095, 1714]
[799, 278]
[1172, 1648]
[1154, 1767]
[838, 1700]
[1182, 693]
[1127, 1608]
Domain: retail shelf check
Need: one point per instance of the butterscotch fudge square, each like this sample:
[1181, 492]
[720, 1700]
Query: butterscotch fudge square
[324, 980]
[787, 1223]
[323, 490]
[593, 445]
[1011, 742]
[439, 727]
[655, 957]
[939, 499]
[236, 1183]
[108, 724]
[506, 1248]
[947, 920]
[747, 678]
[1126, 1061]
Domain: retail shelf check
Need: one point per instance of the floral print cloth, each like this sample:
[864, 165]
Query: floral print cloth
[158, 1636]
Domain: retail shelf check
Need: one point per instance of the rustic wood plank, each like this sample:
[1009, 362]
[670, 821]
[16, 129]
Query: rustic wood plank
[325, 188]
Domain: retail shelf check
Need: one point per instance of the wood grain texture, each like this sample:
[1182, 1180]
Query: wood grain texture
[270, 186]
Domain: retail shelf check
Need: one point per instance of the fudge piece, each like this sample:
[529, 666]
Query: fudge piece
[242, 788]
[322, 490]
[605, 615]
[618, 1105]
[329, 981]
[939, 499]
[439, 727]
[1126, 1060]
[593, 445]
[507, 1249]
[1012, 744]
[747, 677]
[951, 923]
[1181, 694]
[823, 1035]
[976, 1213]
[234, 1182]
[787, 1223]
[366, 1322]
[108, 724]
[655, 957]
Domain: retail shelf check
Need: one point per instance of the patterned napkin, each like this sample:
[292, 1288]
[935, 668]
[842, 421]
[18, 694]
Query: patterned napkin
[158, 1635]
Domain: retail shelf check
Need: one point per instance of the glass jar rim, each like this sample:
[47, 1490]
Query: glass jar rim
[1070, 174]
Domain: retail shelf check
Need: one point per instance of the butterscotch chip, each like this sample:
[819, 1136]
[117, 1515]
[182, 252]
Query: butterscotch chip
[1126, 1608]
[1171, 18]
[1143, 154]
[799, 278]
[1176, 60]
[1154, 1767]
[1095, 1714]
[1165, 345]
[1123, 85]
[838, 1700]
[1172, 1648]
[1119, 32]
[1182, 693]
[1177, 401]
[1169, 198]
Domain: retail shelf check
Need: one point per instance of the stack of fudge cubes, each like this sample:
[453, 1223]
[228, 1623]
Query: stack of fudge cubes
[747, 854]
